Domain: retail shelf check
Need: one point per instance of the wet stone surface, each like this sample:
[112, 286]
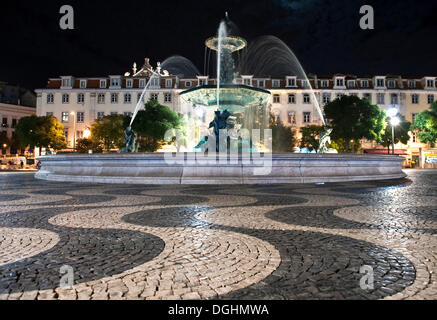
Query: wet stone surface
[218, 242]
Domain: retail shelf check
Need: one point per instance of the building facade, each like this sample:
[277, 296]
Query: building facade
[77, 102]
[9, 116]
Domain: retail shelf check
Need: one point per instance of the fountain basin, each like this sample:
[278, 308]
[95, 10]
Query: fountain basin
[155, 168]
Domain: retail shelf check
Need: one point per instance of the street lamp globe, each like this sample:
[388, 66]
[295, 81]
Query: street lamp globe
[394, 121]
[393, 111]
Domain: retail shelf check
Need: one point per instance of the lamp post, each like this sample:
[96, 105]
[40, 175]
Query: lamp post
[394, 121]
[74, 131]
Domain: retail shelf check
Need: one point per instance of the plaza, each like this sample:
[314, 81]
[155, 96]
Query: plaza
[300, 241]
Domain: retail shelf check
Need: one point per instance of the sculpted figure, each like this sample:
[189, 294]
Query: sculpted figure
[129, 139]
[325, 139]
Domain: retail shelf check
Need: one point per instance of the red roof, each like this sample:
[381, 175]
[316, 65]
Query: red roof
[384, 151]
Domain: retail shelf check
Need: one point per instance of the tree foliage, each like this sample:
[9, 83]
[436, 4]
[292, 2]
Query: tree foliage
[85, 145]
[283, 137]
[354, 119]
[310, 136]
[340, 145]
[426, 123]
[41, 132]
[152, 123]
[109, 130]
[401, 132]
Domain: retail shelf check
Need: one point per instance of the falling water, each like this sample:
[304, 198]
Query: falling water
[268, 55]
[140, 103]
[175, 65]
[180, 66]
[221, 36]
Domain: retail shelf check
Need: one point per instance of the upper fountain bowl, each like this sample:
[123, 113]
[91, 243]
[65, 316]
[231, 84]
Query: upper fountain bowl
[233, 97]
[231, 43]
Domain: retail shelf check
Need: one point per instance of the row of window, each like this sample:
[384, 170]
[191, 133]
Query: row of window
[80, 116]
[127, 98]
[290, 82]
[5, 123]
[291, 117]
[380, 98]
[339, 82]
[116, 82]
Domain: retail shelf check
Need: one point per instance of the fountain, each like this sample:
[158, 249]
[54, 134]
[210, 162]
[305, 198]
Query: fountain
[235, 109]
[237, 101]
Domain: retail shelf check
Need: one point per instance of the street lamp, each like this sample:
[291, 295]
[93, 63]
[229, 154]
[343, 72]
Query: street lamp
[74, 131]
[394, 121]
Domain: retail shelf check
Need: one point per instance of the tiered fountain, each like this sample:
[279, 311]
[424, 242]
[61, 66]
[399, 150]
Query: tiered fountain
[236, 107]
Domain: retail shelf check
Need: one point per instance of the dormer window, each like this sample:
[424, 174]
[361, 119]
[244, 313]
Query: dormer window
[115, 82]
[102, 84]
[305, 83]
[276, 83]
[66, 83]
[364, 83]
[339, 82]
[261, 83]
[82, 84]
[247, 80]
[129, 83]
[154, 82]
[203, 81]
[411, 84]
[430, 83]
[188, 84]
[380, 82]
[168, 83]
[351, 84]
[324, 83]
[142, 83]
[291, 81]
[391, 84]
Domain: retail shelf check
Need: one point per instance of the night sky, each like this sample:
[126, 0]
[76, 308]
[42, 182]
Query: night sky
[110, 35]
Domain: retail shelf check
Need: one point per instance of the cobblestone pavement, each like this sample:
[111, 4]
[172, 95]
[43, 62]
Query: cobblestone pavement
[226, 242]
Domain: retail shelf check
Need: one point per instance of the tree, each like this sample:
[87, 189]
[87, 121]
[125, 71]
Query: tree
[109, 131]
[401, 132]
[84, 145]
[426, 123]
[283, 137]
[310, 136]
[340, 145]
[354, 119]
[41, 132]
[152, 123]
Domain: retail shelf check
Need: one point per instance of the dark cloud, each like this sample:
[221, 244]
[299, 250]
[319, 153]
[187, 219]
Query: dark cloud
[111, 35]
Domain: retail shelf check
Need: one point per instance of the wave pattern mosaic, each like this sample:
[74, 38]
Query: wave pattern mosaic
[218, 242]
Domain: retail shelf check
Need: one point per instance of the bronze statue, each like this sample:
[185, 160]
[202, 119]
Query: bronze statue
[324, 140]
[129, 139]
